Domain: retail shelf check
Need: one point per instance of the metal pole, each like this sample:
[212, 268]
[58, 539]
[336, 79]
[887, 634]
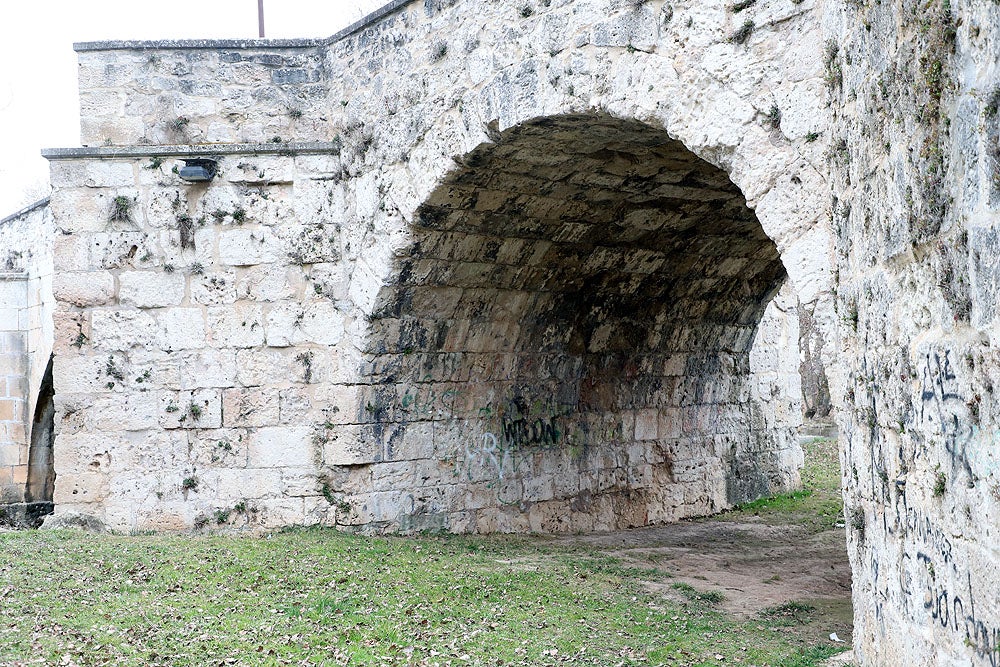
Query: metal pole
[260, 17]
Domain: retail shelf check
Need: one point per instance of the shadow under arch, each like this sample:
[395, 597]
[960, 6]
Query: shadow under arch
[41, 472]
[566, 342]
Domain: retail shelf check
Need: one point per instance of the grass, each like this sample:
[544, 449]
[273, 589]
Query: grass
[321, 597]
[790, 613]
[817, 506]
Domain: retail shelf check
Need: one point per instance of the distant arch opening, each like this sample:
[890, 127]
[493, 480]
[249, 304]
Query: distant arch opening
[566, 345]
[41, 472]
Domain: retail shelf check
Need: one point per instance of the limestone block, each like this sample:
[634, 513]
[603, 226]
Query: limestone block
[151, 289]
[207, 368]
[268, 283]
[283, 325]
[153, 368]
[250, 407]
[279, 512]
[400, 476]
[123, 329]
[180, 328]
[295, 406]
[281, 447]
[237, 326]
[636, 29]
[322, 323]
[218, 448]
[231, 486]
[89, 288]
[417, 442]
[84, 374]
[71, 252]
[347, 445]
[214, 288]
[195, 409]
[329, 281]
[79, 210]
[646, 424]
[152, 452]
[94, 173]
[82, 487]
[539, 488]
[246, 247]
[262, 366]
[319, 511]
[301, 482]
[126, 412]
[115, 250]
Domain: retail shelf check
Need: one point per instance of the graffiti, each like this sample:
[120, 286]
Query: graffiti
[427, 402]
[958, 614]
[937, 386]
[933, 581]
[534, 425]
[919, 525]
[943, 408]
[488, 452]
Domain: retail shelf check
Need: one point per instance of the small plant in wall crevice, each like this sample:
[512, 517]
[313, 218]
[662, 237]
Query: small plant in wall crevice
[773, 117]
[121, 210]
[743, 33]
[940, 484]
[858, 522]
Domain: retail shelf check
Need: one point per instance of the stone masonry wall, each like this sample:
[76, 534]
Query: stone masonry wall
[232, 369]
[914, 158]
[26, 305]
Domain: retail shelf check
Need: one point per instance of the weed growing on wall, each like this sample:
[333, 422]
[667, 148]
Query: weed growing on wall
[743, 33]
[121, 210]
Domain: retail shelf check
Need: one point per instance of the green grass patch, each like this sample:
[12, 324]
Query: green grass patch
[693, 594]
[817, 506]
[790, 613]
[322, 597]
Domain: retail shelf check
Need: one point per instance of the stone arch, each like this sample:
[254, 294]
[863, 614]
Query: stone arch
[565, 342]
[642, 61]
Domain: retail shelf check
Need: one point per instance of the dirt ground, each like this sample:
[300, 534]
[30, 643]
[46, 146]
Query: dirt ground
[758, 558]
[755, 565]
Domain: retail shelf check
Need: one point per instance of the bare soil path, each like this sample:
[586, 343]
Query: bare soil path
[784, 556]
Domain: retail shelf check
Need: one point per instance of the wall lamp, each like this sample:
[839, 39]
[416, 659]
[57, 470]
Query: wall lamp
[199, 170]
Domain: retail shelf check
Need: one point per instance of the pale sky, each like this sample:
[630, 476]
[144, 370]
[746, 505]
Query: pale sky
[39, 107]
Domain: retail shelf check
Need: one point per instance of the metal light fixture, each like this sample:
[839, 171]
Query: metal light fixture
[199, 170]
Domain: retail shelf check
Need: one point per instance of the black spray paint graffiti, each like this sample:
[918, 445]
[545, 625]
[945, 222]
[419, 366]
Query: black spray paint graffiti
[928, 585]
[943, 408]
[958, 614]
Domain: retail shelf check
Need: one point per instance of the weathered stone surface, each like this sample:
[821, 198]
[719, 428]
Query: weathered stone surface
[914, 175]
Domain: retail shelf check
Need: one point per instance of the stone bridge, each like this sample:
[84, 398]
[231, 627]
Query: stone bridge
[489, 266]
[477, 275]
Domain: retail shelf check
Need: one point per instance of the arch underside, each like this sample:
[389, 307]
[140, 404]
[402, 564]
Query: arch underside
[566, 343]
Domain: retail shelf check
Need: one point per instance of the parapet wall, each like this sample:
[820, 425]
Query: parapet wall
[202, 92]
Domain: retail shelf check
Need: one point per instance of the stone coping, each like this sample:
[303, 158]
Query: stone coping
[201, 150]
[138, 45]
[12, 277]
[25, 211]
